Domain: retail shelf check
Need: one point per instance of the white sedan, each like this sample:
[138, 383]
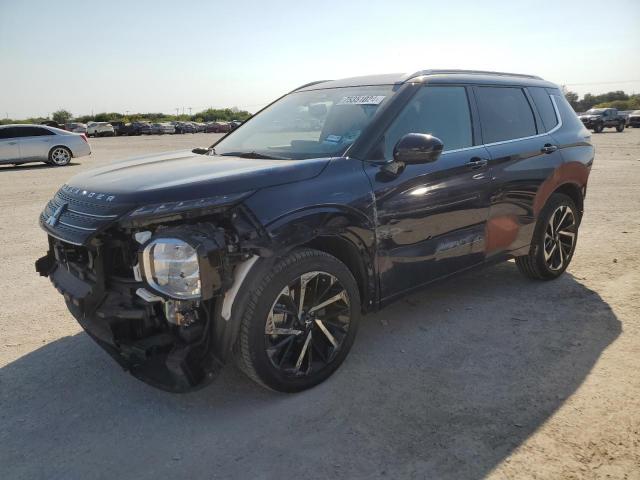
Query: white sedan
[40, 143]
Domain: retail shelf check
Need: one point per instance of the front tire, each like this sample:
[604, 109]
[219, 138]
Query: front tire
[620, 127]
[298, 321]
[598, 128]
[554, 240]
[60, 156]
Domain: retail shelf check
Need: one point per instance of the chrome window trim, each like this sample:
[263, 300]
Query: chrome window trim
[554, 129]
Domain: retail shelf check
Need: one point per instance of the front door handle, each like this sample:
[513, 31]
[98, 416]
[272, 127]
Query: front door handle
[548, 148]
[477, 162]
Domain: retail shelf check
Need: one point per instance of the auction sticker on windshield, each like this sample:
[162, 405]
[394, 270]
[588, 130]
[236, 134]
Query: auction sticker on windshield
[361, 100]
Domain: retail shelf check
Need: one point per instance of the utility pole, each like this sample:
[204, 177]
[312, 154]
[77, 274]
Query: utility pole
[189, 111]
[177, 111]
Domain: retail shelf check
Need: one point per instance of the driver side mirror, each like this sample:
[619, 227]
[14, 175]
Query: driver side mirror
[200, 150]
[415, 148]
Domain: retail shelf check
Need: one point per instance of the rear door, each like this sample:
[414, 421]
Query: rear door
[35, 142]
[523, 155]
[9, 146]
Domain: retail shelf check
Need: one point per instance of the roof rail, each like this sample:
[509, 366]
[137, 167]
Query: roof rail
[309, 84]
[471, 72]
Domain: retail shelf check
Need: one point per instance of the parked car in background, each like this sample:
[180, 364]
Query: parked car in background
[162, 128]
[51, 123]
[134, 128]
[100, 129]
[235, 124]
[597, 119]
[218, 127]
[266, 248]
[184, 127]
[40, 143]
[119, 127]
[76, 127]
[634, 119]
[146, 129]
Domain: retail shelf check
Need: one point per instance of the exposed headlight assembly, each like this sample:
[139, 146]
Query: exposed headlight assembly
[185, 263]
[171, 267]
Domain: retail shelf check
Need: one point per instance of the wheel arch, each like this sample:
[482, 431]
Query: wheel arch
[346, 233]
[575, 193]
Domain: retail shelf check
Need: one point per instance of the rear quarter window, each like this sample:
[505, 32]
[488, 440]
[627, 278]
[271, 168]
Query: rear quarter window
[505, 114]
[569, 116]
[542, 99]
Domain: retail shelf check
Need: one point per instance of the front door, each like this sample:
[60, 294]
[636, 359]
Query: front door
[431, 217]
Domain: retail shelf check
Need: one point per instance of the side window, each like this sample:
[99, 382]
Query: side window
[34, 132]
[8, 132]
[569, 117]
[542, 99]
[505, 114]
[440, 111]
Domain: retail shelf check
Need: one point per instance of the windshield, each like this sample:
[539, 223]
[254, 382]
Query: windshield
[596, 111]
[317, 123]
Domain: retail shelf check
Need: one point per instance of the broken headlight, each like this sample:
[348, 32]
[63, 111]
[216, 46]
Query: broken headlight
[171, 266]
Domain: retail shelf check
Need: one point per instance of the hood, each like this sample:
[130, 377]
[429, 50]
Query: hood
[184, 175]
[92, 201]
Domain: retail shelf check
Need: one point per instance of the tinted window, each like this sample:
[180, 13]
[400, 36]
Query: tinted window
[568, 115]
[545, 107]
[9, 132]
[32, 131]
[505, 114]
[440, 111]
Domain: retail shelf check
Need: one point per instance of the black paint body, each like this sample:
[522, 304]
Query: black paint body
[397, 227]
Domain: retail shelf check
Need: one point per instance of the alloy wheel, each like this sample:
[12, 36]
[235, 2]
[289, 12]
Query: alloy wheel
[60, 156]
[560, 237]
[307, 324]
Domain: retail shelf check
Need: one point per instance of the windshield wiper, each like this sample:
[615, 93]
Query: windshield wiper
[261, 156]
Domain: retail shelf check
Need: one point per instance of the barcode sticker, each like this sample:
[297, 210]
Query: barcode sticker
[362, 100]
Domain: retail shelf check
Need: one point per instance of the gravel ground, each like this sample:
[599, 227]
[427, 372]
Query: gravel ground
[486, 375]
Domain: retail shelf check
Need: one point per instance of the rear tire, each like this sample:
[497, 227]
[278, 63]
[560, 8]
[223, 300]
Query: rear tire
[59, 156]
[287, 345]
[554, 240]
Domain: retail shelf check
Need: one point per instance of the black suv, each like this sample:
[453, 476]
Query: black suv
[598, 119]
[267, 247]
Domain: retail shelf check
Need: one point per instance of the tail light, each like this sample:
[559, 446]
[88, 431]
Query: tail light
[84, 137]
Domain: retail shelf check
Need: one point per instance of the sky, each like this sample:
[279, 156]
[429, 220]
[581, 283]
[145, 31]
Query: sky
[156, 56]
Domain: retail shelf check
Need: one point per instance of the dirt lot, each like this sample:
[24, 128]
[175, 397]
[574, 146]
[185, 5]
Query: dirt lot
[485, 375]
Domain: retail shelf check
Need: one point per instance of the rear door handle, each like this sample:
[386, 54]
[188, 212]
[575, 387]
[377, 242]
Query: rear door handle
[548, 148]
[477, 162]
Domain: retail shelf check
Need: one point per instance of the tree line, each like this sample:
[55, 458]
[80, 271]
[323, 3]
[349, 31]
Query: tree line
[617, 99]
[209, 115]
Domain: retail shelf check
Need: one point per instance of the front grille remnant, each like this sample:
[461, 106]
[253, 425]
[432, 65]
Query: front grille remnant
[75, 220]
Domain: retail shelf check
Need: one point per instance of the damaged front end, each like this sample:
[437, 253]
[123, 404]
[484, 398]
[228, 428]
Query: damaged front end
[149, 287]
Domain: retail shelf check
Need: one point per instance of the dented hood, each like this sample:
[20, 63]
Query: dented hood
[184, 175]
